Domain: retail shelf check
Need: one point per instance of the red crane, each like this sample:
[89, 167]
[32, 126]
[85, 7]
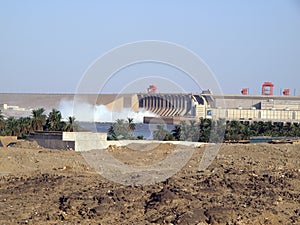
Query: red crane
[267, 88]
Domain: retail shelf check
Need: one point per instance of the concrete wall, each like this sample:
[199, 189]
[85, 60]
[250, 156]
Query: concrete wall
[134, 103]
[162, 120]
[275, 104]
[201, 111]
[52, 140]
[247, 101]
[116, 105]
[257, 114]
[85, 141]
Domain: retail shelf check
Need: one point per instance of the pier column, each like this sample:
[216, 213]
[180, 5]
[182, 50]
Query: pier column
[177, 101]
[144, 102]
[173, 101]
[152, 102]
[169, 101]
[158, 101]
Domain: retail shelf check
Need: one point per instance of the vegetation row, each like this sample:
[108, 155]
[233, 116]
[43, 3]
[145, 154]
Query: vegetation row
[208, 130]
[38, 121]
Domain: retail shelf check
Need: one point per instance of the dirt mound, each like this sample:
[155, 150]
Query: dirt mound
[245, 184]
[142, 154]
[6, 140]
[27, 144]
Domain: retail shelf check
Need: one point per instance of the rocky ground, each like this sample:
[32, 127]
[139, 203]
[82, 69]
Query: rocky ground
[245, 184]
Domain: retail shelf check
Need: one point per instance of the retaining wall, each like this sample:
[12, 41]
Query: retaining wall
[86, 141]
[52, 140]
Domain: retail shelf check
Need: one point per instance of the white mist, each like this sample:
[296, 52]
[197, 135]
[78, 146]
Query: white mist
[86, 112]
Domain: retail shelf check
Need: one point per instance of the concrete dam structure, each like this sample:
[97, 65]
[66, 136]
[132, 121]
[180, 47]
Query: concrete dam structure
[283, 108]
[229, 107]
[167, 104]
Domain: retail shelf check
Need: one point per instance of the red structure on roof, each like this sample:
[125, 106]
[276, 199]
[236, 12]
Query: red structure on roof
[152, 88]
[267, 88]
[245, 91]
[286, 92]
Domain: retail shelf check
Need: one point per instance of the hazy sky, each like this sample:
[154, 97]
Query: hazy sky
[46, 46]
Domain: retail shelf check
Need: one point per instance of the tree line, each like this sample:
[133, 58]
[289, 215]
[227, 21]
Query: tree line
[122, 129]
[207, 130]
[38, 121]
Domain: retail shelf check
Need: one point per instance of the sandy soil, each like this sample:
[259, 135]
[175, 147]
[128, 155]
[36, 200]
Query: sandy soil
[245, 184]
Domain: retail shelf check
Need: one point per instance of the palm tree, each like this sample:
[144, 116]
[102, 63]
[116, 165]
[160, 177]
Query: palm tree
[161, 133]
[276, 129]
[115, 130]
[176, 132]
[296, 130]
[111, 134]
[217, 130]
[11, 127]
[24, 124]
[193, 131]
[184, 131]
[268, 128]
[204, 129]
[261, 128]
[245, 130]
[131, 124]
[54, 120]
[288, 129]
[39, 119]
[71, 126]
[181, 131]
[121, 129]
[234, 130]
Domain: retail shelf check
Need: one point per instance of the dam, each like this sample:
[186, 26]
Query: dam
[230, 107]
[281, 108]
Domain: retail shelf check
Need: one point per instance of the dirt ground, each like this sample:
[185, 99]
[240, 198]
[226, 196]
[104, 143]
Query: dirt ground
[245, 184]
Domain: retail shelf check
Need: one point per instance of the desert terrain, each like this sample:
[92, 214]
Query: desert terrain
[245, 184]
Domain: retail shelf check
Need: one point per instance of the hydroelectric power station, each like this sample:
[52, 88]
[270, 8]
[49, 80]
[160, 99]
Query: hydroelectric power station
[243, 107]
[173, 107]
